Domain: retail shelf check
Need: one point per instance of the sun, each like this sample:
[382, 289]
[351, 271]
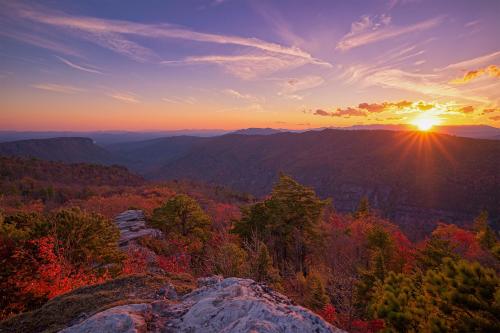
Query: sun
[425, 123]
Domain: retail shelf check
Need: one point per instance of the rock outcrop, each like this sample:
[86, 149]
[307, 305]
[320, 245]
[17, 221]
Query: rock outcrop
[132, 225]
[219, 305]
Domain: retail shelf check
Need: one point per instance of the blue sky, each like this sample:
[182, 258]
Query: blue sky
[139, 65]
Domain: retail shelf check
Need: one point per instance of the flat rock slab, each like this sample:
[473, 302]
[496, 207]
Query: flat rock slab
[231, 305]
[132, 225]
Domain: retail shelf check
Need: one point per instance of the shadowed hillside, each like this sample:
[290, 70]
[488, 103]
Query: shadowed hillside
[70, 150]
[398, 171]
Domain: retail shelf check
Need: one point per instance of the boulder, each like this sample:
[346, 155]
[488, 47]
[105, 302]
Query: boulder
[230, 305]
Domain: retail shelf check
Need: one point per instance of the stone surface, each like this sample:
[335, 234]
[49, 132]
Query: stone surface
[120, 319]
[229, 305]
[132, 225]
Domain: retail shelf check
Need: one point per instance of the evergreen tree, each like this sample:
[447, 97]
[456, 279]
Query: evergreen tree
[484, 233]
[398, 303]
[264, 270]
[316, 297]
[465, 297]
[287, 222]
[181, 216]
[434, 252]
[363, 209]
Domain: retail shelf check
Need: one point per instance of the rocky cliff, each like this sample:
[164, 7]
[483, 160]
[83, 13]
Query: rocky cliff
[218, 305]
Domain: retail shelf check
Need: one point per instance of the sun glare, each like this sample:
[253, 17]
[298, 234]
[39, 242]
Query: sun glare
[425, 123]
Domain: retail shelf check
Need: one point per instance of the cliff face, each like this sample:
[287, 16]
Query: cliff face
[218, 305]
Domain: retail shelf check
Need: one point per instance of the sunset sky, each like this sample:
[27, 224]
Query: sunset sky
[226, 64]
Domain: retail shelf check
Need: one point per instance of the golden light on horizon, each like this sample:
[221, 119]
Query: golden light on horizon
[425, 122]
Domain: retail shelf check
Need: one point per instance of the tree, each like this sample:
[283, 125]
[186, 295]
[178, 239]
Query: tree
[381, 248]
[485, 235]
[316, 297]
[287, 222]
[262, 268]
[396, 300]
[89, 239]
[181, 216]
[464, 296]
[433, 253]
[363, 209]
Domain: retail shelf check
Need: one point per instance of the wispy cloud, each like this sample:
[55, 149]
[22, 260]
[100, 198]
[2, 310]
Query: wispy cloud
[492, 71]
[178, 100]
[427, 84]
[37, 40]
[237, 94]
[65, 89]
[111, 33]
[474, 62]
[374, 29]
[125, 97]
[294, 85]
[81, 68]
[247, 66]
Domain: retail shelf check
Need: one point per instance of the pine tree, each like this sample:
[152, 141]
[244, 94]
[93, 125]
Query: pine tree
[484, 233]
[398, 303]
[316, 297]
[363, 209]
[465, 296]
[287, 222]
[264, 270]
[181, 216]
[433, 253]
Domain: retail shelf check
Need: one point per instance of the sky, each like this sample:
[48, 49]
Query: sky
[228, 64]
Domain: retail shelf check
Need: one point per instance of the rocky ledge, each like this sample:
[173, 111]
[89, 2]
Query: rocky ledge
[132, 225]
[218, 305]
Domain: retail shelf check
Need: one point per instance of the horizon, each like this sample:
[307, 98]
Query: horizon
[410, 127]
[228, 65]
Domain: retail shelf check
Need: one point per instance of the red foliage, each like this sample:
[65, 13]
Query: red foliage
[329, 313]
[179, 261]
[136, 261]
[463, 241]
[47, 273]
[372, 326]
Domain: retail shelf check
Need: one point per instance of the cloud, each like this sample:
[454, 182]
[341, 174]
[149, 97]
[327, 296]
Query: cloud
[348, 112]
[364, 109]
[466, 109]
[495, 118]
[374, 107]
[65, 89]
[36, 40]
[492, 71]
[237, 94]
[374, 29]
[178, 100]
[111, 33]
[81, 68]
[320, 112]
[125, 97]
[474, 62]
[247, 66]
[485, 111]
[294, 85]
[426, 84]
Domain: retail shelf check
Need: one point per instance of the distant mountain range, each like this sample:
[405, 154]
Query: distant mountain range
[411, 177]
[105, 138]
[68, 149]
